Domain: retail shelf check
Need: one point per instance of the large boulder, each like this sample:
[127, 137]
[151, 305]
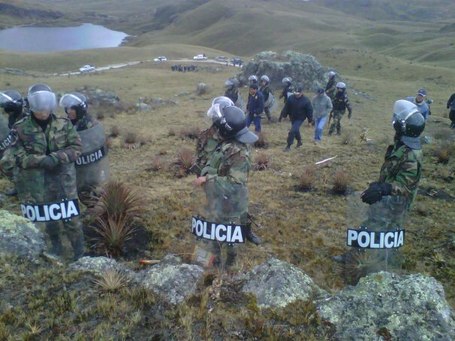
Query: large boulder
[303, 68]
[276, 284]
[19, 237]
[409, 307]
[171, 279]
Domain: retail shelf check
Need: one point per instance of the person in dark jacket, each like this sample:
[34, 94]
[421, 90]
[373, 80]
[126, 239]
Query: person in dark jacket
[255, 107]
[299, 108]
[451, 106]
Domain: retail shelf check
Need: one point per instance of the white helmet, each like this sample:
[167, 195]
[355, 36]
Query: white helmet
[341, 85]
[253, 78]
[286, 80]
[42, 100]
[265, 78]
[228, 83]
[331, 74]
[215, 112]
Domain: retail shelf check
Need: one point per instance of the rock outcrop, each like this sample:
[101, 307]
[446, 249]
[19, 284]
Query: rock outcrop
[303, 68]
[408, 307]
[276, 284]
[19, 237]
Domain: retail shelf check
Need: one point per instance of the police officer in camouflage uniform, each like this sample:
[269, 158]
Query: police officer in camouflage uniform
[340, 103]
[92, 167]
[330, 87]
[267, 93]
[402, 168]
[44, 153]
[12, 103]
[392, 195]
[225, 173]
[209, 139]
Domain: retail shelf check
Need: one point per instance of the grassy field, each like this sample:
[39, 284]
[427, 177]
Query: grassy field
[304, 228]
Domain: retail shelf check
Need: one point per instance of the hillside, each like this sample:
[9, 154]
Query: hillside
[380, 60]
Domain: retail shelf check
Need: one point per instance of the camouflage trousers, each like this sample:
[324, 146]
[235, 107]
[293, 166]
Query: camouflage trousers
[73, 231]
[336, 121]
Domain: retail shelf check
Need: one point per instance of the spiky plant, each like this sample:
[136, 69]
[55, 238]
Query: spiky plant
[111, 280]
[184, 162]
[115, 211]
[118, 201]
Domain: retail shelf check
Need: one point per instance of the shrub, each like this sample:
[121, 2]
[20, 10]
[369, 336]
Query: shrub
[341, 181]
[444, 134]
[157, 164]
[262, 162]
[190, 132]
[443, 153]
[115, 131]
[348, 138]
[307, 179]
[262, 141]
[130, 138]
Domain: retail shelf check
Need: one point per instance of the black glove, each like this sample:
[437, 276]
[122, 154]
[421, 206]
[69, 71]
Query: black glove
[375, 192]
[48, 163]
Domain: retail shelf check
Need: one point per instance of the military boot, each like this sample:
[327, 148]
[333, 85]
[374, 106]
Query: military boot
[252, 237]
[230, 256]
[78, 247]
[56, 245]
[299, 144]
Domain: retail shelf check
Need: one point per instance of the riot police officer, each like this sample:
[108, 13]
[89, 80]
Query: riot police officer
[225, 174]
[402, 168]
[340, 103]
[44, 153]
[92, 166]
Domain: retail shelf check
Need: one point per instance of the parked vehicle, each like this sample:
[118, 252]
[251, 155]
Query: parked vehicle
[221, 58]
[237, 61]
[87, 68]
[160, 59]
[200, 57]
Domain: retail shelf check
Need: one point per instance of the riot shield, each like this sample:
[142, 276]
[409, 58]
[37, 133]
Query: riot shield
[5, 136]
[240, 103]
[219, 223]
[47, 196]
[374, 236]
[92, 166]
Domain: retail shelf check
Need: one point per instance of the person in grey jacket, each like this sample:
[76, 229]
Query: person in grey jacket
[322, 106]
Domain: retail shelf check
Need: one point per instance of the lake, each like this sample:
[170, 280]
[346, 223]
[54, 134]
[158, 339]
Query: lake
[51, 39]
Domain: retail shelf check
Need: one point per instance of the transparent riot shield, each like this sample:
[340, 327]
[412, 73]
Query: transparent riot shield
[219, 223]
[375, 233]
[5, 136]
[92, 167]
[240, 103]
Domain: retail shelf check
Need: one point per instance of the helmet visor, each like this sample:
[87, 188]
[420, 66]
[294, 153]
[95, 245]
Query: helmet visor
[42, 101]
[4, 98]
[69, 100]
[215, 112]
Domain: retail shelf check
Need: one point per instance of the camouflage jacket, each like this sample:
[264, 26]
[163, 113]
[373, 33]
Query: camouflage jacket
[206, 143]
[330, 88]
[341, 103]
[227, 172]
[61, 141]
[84, 123]
[402, 168]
